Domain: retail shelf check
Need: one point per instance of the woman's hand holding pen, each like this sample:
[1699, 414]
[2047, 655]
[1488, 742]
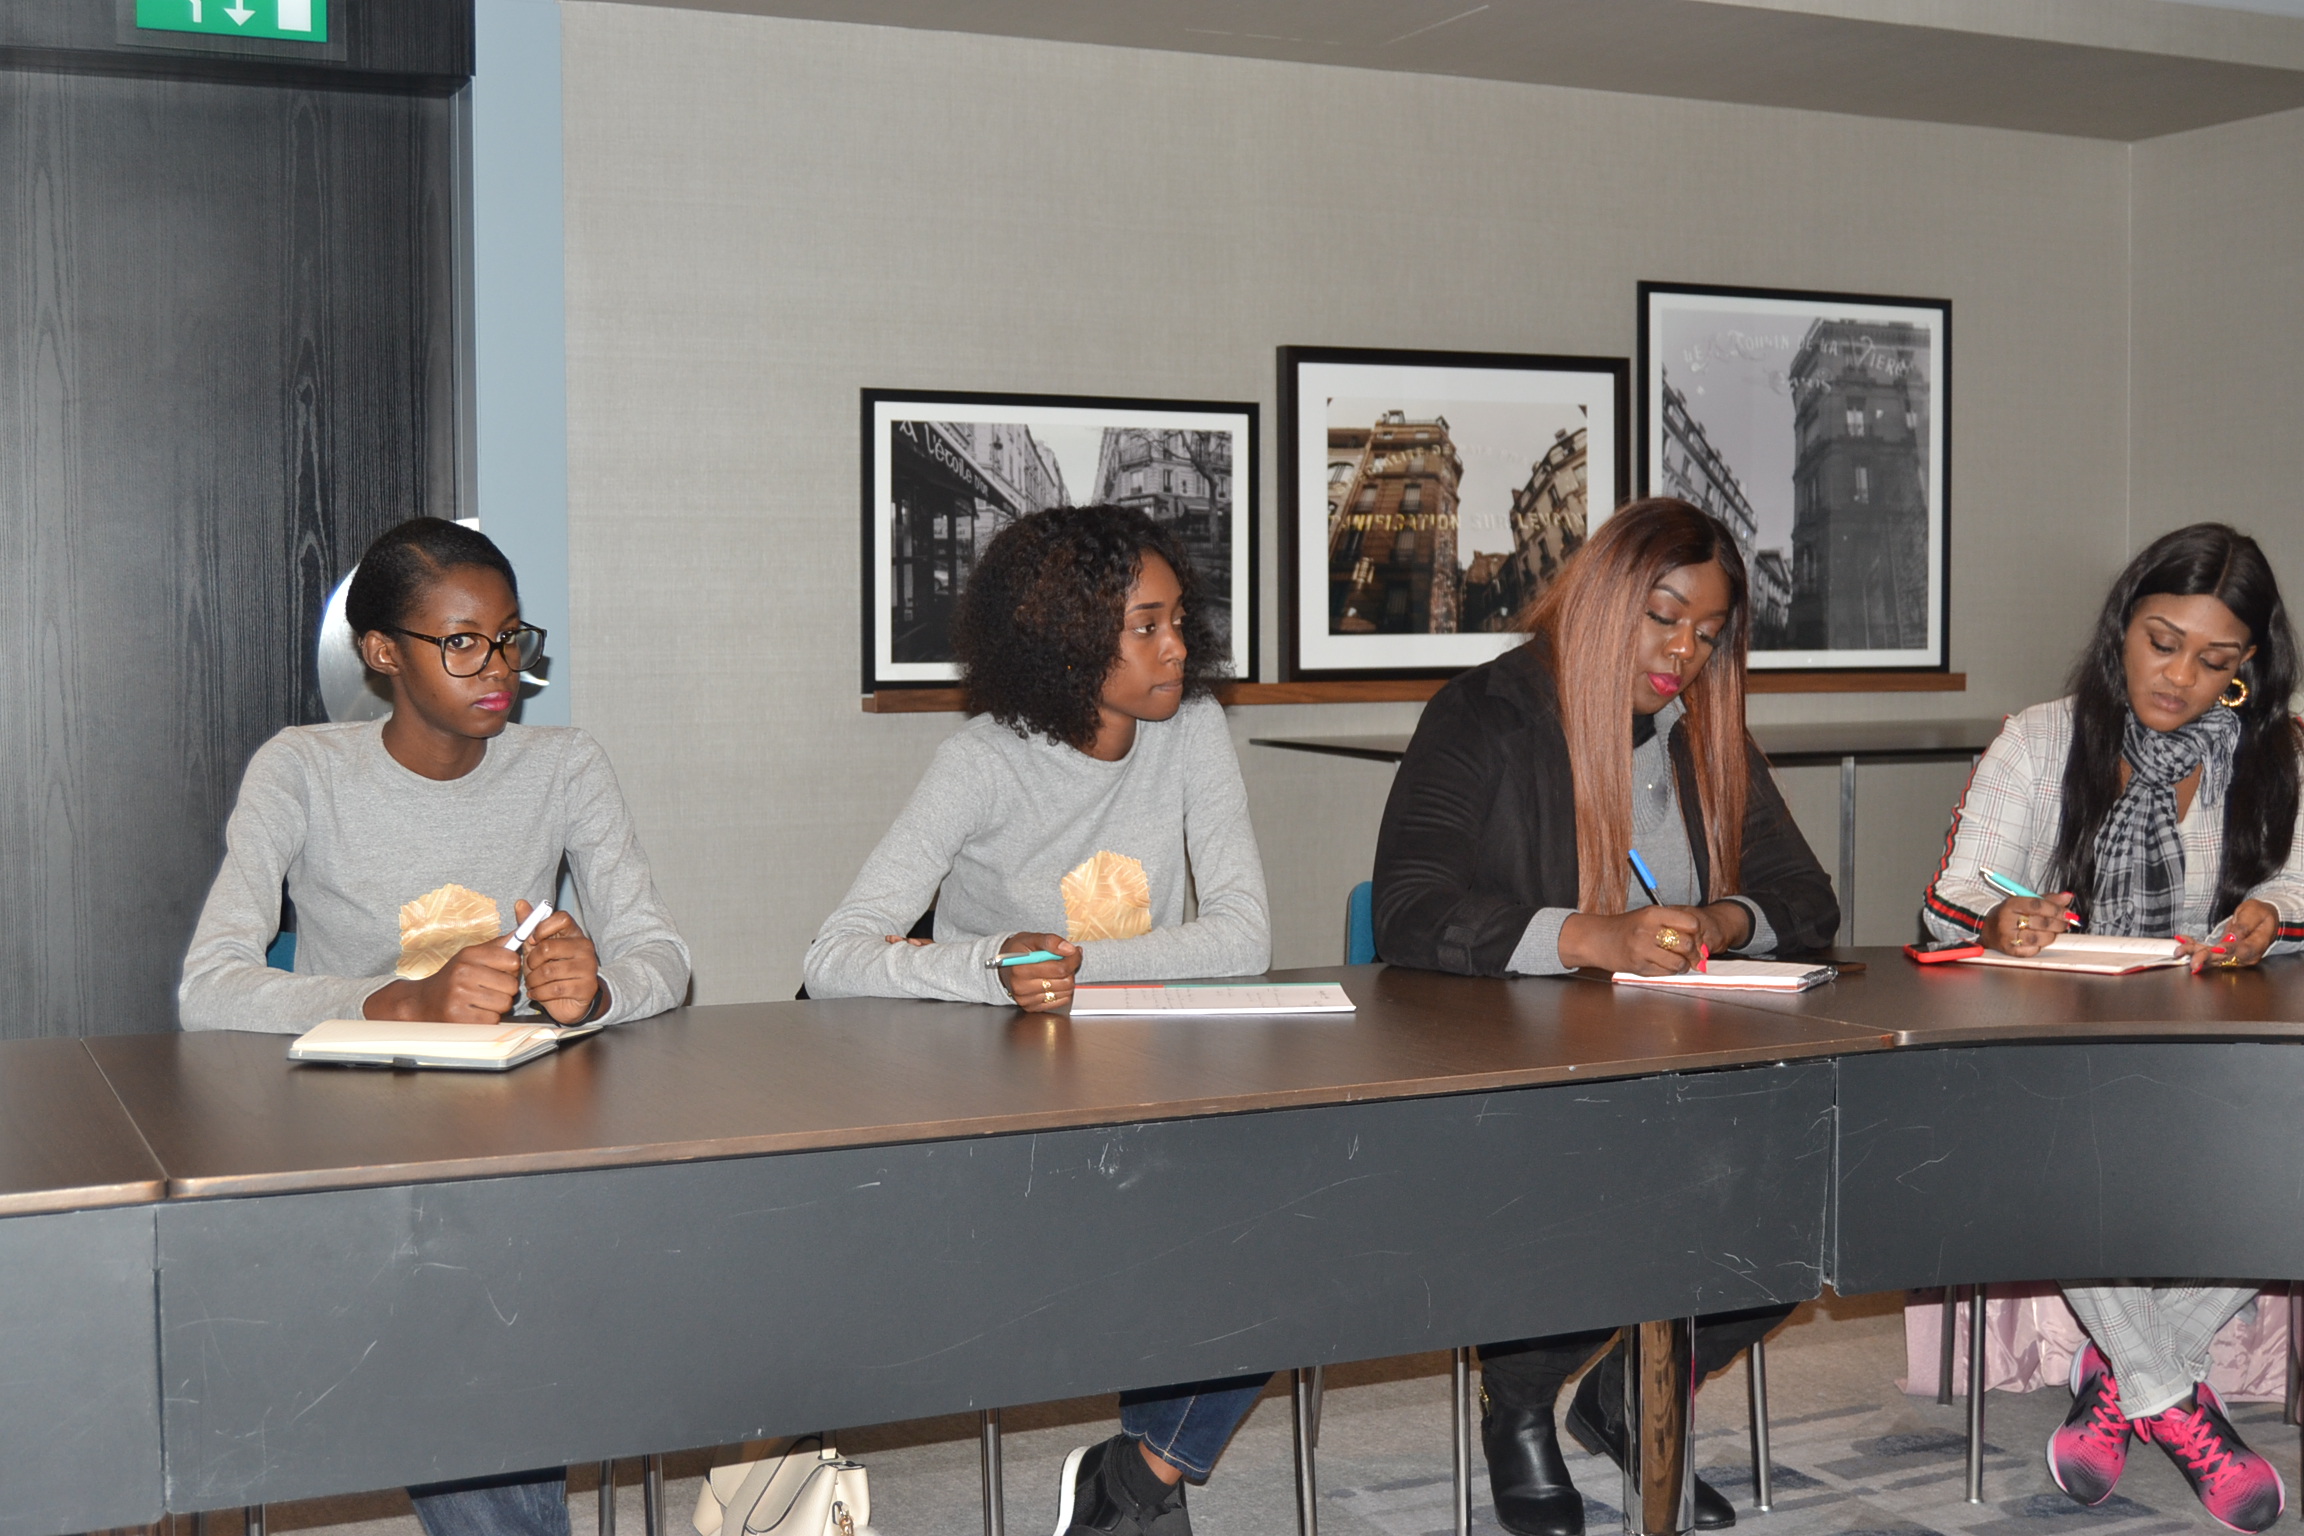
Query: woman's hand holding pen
[1042, 986]
[2024, 925]
[2241, 941]
[561, 968]
[1649, 941]
[478, 985]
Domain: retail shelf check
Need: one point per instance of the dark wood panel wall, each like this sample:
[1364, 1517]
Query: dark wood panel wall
[228, 360]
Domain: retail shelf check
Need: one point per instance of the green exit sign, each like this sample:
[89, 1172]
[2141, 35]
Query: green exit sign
[300, 21]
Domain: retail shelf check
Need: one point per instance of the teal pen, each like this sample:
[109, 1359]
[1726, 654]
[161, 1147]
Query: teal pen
[1034, 957]
[2008, 887]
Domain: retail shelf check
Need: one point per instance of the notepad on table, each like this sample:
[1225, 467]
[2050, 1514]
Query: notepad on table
[465, 1047]
[2092, 954]
[1117, 999]
[1741, 975]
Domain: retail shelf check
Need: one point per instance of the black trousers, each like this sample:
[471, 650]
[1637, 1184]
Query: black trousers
[1528, 1373]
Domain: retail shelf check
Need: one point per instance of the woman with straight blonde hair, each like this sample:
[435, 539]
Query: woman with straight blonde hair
[1506, 851]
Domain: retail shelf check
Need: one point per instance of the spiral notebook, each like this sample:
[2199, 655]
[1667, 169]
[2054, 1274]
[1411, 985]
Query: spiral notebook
[456, 1047]
[2091, 954]
[1741, 976]
[1140, 998]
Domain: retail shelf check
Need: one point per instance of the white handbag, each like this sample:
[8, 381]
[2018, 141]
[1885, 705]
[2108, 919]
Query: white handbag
[808, 1490]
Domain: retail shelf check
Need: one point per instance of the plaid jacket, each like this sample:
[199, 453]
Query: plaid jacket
[2007, 821]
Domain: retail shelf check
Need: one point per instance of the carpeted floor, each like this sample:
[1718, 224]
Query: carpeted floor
[1853, 1457]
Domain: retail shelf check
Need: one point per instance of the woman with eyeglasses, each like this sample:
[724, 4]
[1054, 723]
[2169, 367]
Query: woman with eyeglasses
[410, 846]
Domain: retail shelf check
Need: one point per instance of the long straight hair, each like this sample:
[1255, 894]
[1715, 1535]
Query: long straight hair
[1592, 614]
[2204, 560]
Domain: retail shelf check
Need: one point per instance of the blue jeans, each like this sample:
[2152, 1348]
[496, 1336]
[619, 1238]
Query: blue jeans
[1186, 1426]
[510, 1504]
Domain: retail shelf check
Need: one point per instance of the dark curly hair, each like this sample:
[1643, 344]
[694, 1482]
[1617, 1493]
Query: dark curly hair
[1038, 629]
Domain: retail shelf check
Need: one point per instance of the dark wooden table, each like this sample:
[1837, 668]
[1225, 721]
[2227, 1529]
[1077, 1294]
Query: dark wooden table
[1786, 746]
[731, 1222]
[81, 1413]
[2039, 1126]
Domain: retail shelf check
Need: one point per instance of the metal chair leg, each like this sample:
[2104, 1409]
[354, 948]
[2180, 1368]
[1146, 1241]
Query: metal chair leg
[1307, 1405]
[1460, 1436]
[607, 1499]
[995, 1491]
[1756, 1384]
[252, 1520]
[1976, 1395]
[652, 1494]
[2294, 1413]
[1951, 1326]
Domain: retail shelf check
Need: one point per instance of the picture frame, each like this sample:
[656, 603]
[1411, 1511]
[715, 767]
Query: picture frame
[1818, 426]
[1426, 497]
[945, 470]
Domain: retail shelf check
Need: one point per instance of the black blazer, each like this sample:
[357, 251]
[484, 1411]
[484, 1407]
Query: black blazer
[1480, 830]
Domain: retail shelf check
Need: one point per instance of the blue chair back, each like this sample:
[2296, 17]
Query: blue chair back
[282, 955]
[1360, 924]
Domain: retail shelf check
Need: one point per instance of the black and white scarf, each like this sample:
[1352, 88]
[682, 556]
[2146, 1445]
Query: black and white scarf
[2139, 856]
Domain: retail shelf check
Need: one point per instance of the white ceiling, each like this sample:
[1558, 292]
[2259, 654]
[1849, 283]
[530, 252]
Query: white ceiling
[2110, 69]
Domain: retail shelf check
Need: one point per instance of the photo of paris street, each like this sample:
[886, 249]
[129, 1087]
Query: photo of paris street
[1448, 517]
[1808, 436]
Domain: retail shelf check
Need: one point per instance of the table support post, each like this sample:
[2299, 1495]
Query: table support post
[995, 1490]
[252, 1520]
[1944, 1351]
[1756, 1390]
[1976, 1394]
[1847, 891]
[607, 1516]
[1659, 1406]
[1460, 1425]
[1307, 1405]
[652, 1494]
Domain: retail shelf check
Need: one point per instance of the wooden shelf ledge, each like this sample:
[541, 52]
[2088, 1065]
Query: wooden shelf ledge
[930, 701]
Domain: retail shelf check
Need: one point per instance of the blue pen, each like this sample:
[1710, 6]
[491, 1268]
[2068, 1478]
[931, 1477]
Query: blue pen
[1647, 878]
[2008, 887]
[1033, 957]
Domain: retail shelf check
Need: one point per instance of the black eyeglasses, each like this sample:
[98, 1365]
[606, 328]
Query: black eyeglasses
[466, 653]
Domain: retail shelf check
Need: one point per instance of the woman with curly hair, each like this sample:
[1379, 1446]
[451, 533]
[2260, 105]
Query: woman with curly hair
[1094, 787]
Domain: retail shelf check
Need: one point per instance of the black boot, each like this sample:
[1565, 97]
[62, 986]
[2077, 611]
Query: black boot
[1527, 1476]
[1602, 1436]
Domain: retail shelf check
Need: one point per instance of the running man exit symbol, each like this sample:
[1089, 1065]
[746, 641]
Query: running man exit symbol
[302, 21]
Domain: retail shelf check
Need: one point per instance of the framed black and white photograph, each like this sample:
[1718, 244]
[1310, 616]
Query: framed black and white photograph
[945, 472]
[1428, 497]
[1818, 427]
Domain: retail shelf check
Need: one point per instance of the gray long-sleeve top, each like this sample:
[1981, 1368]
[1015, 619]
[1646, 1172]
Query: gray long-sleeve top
[1000, 819]
[355, 835]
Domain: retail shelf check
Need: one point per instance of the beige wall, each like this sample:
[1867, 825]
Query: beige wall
[765, 216]
[2219, 324]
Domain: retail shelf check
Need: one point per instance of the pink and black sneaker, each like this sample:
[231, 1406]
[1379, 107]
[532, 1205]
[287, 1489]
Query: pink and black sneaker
[2240, 1488]
[2089, 1450]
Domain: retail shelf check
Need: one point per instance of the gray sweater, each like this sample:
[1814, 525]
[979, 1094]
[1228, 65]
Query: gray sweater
[355, 836]
[998, 823]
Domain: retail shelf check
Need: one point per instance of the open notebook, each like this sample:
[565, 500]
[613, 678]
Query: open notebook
[464, 1047]
[2090, 953]
[1150, 997]
[1741, 975]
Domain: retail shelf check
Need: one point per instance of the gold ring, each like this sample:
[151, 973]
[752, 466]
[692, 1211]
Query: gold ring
[2022, 924]
[1669, 938]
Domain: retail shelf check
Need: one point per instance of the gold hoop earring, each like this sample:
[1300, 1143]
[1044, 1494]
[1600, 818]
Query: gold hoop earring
[2225, 698]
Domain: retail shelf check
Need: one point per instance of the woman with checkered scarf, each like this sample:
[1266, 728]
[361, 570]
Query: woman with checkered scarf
[2158, 799]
